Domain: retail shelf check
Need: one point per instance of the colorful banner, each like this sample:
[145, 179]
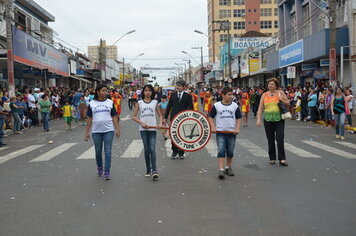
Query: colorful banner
[33, 52]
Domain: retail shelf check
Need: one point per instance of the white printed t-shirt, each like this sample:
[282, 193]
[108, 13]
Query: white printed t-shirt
[148, 114]
[226, 115]
[102, 113]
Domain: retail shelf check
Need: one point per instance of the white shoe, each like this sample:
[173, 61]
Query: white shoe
[337, 136]
[342, 138]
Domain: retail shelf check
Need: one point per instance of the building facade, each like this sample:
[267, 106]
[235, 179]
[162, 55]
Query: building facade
[110, 52]
[243, 16]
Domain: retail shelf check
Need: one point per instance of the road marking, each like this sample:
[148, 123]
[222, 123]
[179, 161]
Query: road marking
[252, 148]
[212, 148]
[134, 150]
[347, 144]
[330, 149]
[3, 148]
[168, 145]
[18, 153]
[126, 118]
[88, 154]
[299, 152]
[54, 152]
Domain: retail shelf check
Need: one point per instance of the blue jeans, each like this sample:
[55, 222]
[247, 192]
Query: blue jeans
[107, 139]
[340, 123]
[149, 144]
[45, 119]
[17, 121]
[226, 145]
[2, 122]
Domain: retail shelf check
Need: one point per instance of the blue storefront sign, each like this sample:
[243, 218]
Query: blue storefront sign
[33, 52]
[291, 54]
[312, 66]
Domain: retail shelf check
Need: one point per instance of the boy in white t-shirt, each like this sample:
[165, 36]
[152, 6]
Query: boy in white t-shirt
[228, 115]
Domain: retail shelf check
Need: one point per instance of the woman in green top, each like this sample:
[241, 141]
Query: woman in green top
[45, 109]
[273, 122]
[338, 110]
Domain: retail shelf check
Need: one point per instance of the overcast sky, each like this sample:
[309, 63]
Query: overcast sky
[163, 28]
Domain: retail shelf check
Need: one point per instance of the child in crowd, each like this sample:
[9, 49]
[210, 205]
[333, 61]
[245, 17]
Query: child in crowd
[82, 106]
[163, 106]
[245, 102]
[298, 108]
[228, 115]
[67, 115]
[117, 99]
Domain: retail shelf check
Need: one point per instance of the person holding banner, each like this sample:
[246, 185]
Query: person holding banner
[178, 102]
[228, 115]
[148, 107]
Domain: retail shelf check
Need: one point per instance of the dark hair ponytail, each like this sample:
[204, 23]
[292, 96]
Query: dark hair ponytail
[100, 86]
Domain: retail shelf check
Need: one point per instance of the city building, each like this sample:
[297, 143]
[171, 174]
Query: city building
[305, 43]
[243, 16]
[109, 51]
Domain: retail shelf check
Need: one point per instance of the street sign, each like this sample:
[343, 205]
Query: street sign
[291, 72]
[190, 130]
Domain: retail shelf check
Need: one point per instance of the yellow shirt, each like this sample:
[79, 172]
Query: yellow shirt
[67, 111]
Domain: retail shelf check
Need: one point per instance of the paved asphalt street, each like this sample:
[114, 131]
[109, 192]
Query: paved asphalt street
[52, 189]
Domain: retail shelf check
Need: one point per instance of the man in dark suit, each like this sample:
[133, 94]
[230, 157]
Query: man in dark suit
[179, 101]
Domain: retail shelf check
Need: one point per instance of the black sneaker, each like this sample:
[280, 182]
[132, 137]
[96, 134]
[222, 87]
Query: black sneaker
[229, 172]
[174, 155]
[221, 174]
[148, 174]
[154, 175]
[181, 155]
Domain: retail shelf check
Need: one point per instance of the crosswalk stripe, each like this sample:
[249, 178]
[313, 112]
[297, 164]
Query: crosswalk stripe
[252, 148]
[3, 148]
[330, 149]
[134, 150]
[15, 154]
[299, 152]
[347, 144]
[212, 148]
[168, 145]
[54, 152]
[88, 154]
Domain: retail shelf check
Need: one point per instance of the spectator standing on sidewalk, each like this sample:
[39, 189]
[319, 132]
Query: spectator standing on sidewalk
[338, 110]
[45, 109]
[15, 115]
[328, 113]
[3, 114]
[350, 102]
[312, 100]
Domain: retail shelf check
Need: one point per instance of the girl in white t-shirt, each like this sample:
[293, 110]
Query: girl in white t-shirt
[148, 108]
[104, 124]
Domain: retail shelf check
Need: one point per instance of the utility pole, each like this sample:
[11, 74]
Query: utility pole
[202, 63]
[190, 72]
[123, 70]
[101, 60]
[224, 25]
[332, 39]
[10, 56]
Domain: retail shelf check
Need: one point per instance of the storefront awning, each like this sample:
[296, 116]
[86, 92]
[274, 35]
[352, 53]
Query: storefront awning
[80, 78]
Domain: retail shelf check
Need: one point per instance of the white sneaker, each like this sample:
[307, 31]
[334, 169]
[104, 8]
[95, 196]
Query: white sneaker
[342, 138]
[337, 136]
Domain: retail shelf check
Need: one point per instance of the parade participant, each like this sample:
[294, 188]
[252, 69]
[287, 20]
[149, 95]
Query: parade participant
[83, 106]
[350, 100]
[178, 102]
[117, 98]
[148, 109]
[45, 109]
[102, 119]
[67, 115]
[328, 113]
[338, 110]
[195, 101]
[228, 115]
[202, 96]
[273, 122]
[208, 102]
[245, 108]
[163, 107]
[298, 108]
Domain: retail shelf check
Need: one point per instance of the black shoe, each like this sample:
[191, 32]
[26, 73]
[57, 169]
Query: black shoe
[221, 174]
[174, 155]
[229, 172]
[272, 162]
[283, 163]
[181, 155]
[154, 175]
[2, 144]
[148, 174]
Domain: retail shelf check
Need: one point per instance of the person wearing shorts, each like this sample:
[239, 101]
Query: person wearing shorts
[228, 118]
